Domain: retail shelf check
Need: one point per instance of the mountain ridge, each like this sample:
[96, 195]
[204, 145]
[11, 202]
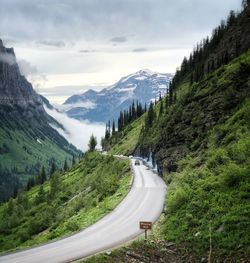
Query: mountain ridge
[104, 105]
[28, 141]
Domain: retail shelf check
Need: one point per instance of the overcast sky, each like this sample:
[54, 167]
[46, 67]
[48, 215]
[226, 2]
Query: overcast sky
[68, 46]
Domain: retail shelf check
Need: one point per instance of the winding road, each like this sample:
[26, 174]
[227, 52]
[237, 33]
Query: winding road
[143, 203]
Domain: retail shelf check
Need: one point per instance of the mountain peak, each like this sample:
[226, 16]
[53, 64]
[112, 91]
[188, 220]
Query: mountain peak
[102, 106]
[14, 88]
[145, 71]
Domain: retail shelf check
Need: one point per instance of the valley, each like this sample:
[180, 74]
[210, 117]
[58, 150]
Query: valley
[174, 157]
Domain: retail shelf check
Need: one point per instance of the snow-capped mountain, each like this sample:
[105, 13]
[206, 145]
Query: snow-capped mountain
[106, 104]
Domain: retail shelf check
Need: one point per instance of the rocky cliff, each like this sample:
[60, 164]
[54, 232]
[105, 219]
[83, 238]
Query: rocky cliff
[27, 140]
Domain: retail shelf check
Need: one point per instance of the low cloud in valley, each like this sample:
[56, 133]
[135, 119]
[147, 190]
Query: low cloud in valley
[77, 132]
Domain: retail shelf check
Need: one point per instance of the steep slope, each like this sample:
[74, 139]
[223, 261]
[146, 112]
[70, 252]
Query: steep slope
[68, 202]
[201, 145]
[27, 139]
[200, 142]
[105, 105]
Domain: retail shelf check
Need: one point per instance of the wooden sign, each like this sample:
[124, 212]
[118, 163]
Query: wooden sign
[145, 225]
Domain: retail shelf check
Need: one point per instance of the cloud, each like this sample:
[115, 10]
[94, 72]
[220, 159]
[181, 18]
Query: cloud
[53, 43]
[31, 73]
[83, 104]
[118, 39]
[87, 51]
[26, 68]
[77, 132]
[140, 49]
[7, 58]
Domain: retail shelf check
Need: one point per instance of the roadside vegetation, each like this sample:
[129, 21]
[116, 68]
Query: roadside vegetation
[66, 203]
[201, 141]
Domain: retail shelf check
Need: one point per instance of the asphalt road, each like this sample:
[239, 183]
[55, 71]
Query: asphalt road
[143, 203]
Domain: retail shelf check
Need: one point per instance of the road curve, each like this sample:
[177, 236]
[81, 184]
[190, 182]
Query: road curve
[143, 203]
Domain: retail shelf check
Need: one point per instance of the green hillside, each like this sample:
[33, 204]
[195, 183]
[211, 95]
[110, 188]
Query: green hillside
[23, 152]
[66, 203]
[125, 142]
[202, 144]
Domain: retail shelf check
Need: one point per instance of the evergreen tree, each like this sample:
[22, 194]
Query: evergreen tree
[166, 102]
[53, 168]
[113, 127]
[133, 111]
[28, 186]
[107, 132]
[170, 96]
[65, 166]
[15, 192]
[54, 185]
[150, 116]
[41, 195]
[161, 111]
[92, 143]
[73, 160]
[42, 177]
[109, 128]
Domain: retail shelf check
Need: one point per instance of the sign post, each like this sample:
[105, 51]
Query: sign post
[145, 225]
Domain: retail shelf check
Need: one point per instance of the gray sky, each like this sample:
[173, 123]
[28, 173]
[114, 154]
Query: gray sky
[67, 46]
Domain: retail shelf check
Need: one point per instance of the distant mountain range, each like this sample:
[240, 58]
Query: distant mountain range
[106, 104]
[27, 140]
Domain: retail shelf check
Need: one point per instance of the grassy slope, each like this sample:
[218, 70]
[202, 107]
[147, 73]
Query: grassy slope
[67, 203]
[209, 192]
[126, 141]
[24, 151]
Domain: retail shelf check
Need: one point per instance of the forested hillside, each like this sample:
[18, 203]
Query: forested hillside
[199, 136]
[69, 201]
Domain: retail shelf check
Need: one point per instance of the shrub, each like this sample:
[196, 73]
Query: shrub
[217, 157]
[233, 175]
[176, 199]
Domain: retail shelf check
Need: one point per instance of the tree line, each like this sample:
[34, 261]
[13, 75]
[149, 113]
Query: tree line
[205, 58]
[134, 111]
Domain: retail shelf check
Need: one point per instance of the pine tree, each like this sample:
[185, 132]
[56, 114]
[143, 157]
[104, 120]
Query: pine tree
[65, 166]
[166, 102]
[42, 177]
[133, 111]
[41, 195]
[113, 127]
[53, 168]
[161, 111]
[73, 160]
[107, 132]
[54, 185]
[170, 96]
[92, 143]
[150, 116]
[15, 192]
[28, 186]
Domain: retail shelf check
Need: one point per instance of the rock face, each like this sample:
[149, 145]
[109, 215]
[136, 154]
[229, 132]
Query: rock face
[27, 140]
[14, 88]
[105, 105]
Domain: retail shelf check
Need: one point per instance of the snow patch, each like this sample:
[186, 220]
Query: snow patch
[38, 141]
[140, 78]
[129, 88]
